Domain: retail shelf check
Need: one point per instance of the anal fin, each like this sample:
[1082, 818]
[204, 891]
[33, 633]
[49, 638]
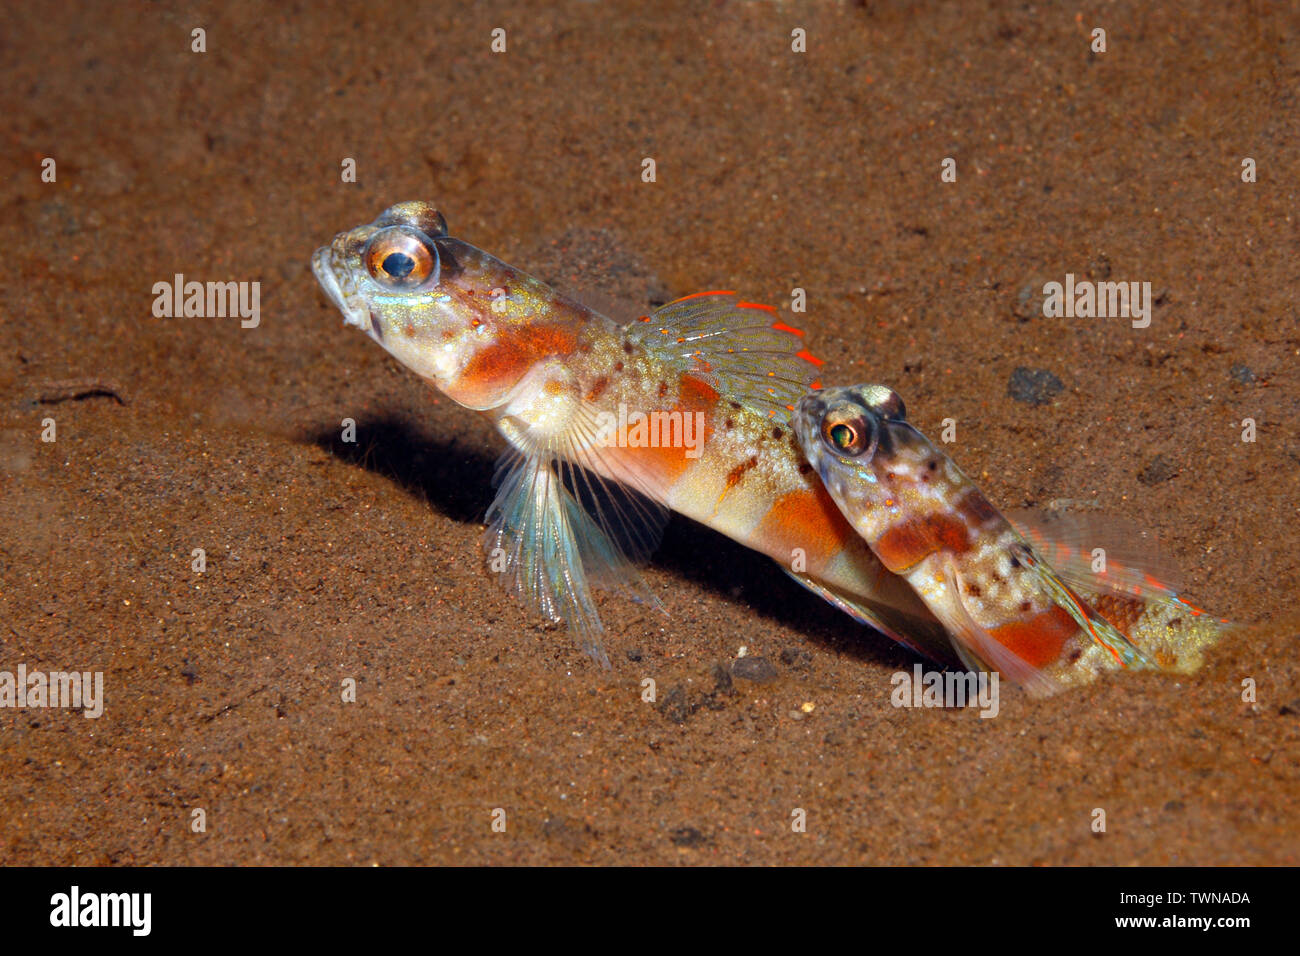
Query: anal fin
[924, 637]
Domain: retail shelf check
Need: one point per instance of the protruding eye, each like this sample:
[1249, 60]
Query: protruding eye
[849, 435]
[885, 402]
[418, 214]
[401, 258]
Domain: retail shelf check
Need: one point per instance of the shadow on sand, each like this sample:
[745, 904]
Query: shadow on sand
[457, 481]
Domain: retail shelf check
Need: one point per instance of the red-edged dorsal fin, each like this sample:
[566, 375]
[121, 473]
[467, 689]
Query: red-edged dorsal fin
[735, 347]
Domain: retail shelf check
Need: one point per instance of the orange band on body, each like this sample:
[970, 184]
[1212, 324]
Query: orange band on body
[660, 467]
[1040, 640]
[907, 544]
[501, 363]
[808, 519]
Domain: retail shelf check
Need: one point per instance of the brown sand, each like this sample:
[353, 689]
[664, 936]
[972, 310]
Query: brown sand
[775, 170]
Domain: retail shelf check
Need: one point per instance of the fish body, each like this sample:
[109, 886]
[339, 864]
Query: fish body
[609, 425]
[1004, 605]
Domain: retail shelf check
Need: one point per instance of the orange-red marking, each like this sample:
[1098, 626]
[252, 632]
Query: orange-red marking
[906, 544]
[662, 466]
[807, 519]
[697, 295]
[809, 357]
[1040, 640]
[502, 363]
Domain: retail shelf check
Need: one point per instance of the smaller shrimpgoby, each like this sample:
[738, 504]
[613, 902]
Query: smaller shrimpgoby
[1004, 606]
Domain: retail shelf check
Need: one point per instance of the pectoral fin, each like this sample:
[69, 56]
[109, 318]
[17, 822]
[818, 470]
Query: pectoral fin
[556, 529]
[1028, 651]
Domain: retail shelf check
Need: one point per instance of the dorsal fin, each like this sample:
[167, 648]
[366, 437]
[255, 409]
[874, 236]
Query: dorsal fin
[739, 348]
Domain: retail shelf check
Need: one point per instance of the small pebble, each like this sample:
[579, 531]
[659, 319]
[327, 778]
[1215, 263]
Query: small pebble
[756, 669]
[1034, 386]
[1157, 470]
[1243, 374]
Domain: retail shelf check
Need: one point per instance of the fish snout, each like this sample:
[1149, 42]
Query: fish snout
[326, 267]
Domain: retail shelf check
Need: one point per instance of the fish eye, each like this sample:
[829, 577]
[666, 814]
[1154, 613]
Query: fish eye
[848, 435]
[400, 258]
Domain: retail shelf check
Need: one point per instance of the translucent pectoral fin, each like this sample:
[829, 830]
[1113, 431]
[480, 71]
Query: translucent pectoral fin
[555, 530]
[1107, 560]
[1100, 630]
[1100, 553]
[530, 546]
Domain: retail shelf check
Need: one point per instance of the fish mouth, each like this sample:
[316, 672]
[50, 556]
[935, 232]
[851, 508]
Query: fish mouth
[323, 267]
